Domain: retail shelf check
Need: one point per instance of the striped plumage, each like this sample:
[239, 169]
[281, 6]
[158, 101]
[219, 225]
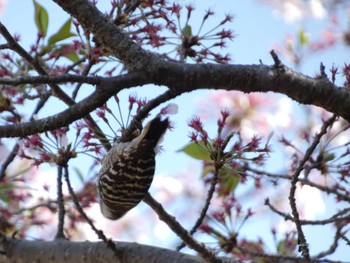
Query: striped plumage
[127, 171]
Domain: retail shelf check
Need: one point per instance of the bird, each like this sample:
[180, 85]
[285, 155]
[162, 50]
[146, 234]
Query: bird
[127, 170]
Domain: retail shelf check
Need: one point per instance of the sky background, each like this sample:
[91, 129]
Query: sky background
[258, 29]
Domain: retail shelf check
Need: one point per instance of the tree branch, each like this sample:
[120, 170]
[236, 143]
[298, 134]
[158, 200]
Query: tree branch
[180, 231]
[303, 246]
[109, 243]
[93, 80]
[60, 205]
[57, 91]
[104, 91]
[188, 77]
[205, 208]
[65, 251]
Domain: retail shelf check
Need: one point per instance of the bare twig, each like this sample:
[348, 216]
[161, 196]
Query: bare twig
[15, 148]
[278, 64]
[84, 73]
[205, 207]
[303, 246]
[48, 204]
[108, 88]
[271, 258]
[60, 203]
[8, 160]
[144, 112]
[322, 71]
[13, 45]
[56, 90]
[345, 238]
[338, 217]
[180, 231]
[341, 195]
[98, 232]
[334, 245]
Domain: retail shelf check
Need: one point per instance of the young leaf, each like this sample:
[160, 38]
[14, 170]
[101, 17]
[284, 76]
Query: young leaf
[72, 57]
[41, 18]
[303, 37]
[62, 33]
[187, 31]
[207, 169]
[197, 151]
[228, 179]
[287, 247]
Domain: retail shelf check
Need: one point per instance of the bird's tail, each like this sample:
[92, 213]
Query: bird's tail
[155, 129]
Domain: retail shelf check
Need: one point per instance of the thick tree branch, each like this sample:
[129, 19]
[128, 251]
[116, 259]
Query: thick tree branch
[254, 78]
[13, 44]
[258, 78]
[52, 80]
[65, 251]
[188, 77]
[106, 33]
[104, 91]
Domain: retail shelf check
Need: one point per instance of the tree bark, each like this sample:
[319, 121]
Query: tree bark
[23, 251]
[187, 77]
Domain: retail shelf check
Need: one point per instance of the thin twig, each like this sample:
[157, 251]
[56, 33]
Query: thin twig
[144, 111]
[327, 189]
[205, 207]
[110, 244]
[338, 217]
[8, 161]
[180, 231]
[60, 203]
[271, 258]
[303, 246]
[334, 245]
[13, 45]
[48, 204]
[56, 90]
[15, 148]
[345, 238]
[278, 64]
[323, 72]
[79, 85]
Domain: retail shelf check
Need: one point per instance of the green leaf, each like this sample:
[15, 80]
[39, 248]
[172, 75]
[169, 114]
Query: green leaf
[303, 37]
[62, 34]
[187, 31]
[197, 151]
[329, 157]
[4, 192]
[72, 57]
[41, 18]
[5, 188]
[287, 247]
[228, 179]
[208, 169]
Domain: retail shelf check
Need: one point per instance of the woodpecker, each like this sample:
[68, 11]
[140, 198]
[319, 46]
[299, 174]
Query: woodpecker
[127, 170]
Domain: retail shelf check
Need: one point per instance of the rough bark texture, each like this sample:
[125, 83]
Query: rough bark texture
[262, 78]
[180, 78]
[63, 251]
